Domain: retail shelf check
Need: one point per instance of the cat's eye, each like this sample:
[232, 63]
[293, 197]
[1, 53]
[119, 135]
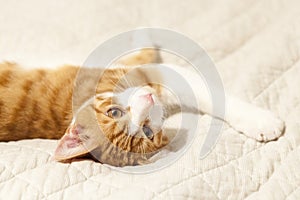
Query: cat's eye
[115, 113]
[148, 132]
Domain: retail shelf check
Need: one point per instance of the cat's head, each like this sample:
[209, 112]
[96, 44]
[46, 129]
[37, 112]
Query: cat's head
[130, 120]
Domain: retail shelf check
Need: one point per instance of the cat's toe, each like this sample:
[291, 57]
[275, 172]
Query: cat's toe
[269, 129]
[261, 125]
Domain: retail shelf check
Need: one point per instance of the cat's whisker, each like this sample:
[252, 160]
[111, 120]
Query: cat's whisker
[118, 86]
[127, 82]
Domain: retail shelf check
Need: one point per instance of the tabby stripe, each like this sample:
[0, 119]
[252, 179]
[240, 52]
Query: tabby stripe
[35, 110]
[21, 105]
[55, 117]
[24, 105]
[138, 143]
[130, 143]
[5, 78]
[46, 125]
[34, 107]
[109, 150]
[117, 136]
[1, 106]
[44, 89]
[35, 104]
[56, 94]
[67, 107]
[27, 84]
[121, 131]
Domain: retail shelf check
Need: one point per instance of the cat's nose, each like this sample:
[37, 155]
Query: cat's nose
[148, 98]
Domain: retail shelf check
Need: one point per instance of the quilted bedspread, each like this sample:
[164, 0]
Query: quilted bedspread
[256, 47]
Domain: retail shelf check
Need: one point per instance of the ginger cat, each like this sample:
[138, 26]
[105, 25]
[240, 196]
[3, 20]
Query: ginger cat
[114, 128]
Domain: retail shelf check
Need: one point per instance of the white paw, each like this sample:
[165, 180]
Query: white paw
[260, 124]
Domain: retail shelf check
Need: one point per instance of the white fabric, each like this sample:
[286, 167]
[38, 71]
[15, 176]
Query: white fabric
[256, 46]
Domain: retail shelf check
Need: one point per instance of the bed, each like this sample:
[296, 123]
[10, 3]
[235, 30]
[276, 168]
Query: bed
[256, 47]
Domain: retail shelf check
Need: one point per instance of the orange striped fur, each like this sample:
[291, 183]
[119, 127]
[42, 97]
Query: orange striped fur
[37, 103]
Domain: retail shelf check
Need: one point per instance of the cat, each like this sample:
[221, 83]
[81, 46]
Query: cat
[121, 124]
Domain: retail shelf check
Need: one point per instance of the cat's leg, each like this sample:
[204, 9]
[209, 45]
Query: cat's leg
[143, 56]
[251, 120]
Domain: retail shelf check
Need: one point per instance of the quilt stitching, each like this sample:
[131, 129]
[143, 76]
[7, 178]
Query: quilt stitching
[27, 147]
[293, 190]
[21, 179]
[240, 13]
[294, 65]
[246, 39]
[205, 175]
[79, 182]
[183, 181]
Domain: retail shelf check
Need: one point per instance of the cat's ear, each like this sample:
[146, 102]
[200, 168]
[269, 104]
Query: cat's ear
[73, 144]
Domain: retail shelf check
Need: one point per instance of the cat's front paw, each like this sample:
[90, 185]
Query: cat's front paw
[261, 125]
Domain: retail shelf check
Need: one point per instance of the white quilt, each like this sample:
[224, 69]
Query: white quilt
[256, 47]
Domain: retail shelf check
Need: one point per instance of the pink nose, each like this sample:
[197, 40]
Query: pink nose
[148, 97]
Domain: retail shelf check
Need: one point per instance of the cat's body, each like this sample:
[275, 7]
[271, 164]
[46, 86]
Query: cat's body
[35, 103]
[40, 103]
